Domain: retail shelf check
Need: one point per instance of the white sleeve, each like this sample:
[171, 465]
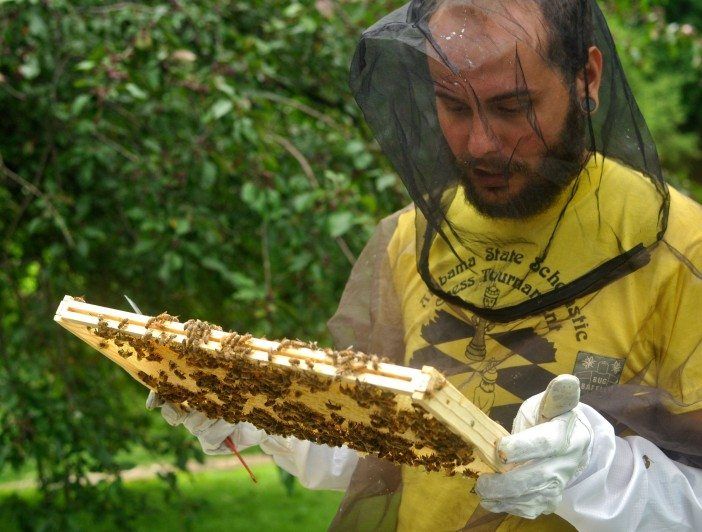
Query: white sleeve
[630, 484]
[316, 466]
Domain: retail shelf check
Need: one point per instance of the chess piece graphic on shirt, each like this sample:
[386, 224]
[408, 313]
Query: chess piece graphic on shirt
[476, 350]
[484, 395]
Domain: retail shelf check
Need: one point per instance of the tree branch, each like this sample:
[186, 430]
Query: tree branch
[11, 90]
[307, 169]
[119, 6]
[299, 106]
[292, 150]
[32, 189]
[124, 152]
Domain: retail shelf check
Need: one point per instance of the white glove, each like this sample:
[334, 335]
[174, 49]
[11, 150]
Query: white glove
[550, 453]
[315, 466]
[211, 433]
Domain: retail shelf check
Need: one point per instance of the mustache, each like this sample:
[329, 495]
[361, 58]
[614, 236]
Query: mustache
[494, 165]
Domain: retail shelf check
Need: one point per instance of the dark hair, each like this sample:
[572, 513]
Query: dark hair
[571, 33]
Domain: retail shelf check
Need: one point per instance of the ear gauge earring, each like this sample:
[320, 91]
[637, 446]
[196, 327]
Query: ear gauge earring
[589, 105]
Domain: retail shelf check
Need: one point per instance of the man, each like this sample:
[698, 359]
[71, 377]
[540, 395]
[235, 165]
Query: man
[543, 241]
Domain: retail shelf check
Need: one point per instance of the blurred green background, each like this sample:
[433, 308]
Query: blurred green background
[205, 158]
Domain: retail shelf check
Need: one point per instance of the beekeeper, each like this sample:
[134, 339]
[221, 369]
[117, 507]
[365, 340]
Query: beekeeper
[542, 240]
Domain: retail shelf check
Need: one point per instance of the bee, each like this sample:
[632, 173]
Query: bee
[376, 422]
[158, 321]
[147, 379]
[332, 406]
[336, 418]
[270, 401]
[283, 344]
[647, 461]
[154, 356]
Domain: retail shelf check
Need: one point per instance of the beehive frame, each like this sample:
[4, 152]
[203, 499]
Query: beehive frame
[289, 387]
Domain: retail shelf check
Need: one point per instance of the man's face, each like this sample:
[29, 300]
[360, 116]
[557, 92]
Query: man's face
[511, 121]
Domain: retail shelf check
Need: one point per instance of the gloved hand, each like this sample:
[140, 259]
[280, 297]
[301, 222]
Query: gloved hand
[211, 433]
[551, 442]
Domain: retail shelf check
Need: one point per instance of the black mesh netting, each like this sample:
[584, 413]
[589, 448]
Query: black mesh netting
[472, 102]
[542, 238]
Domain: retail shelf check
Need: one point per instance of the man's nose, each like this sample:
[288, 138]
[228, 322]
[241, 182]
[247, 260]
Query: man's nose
[482, 140]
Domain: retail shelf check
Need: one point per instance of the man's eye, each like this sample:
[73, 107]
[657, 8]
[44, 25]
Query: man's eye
[454, 106]
[510, 110]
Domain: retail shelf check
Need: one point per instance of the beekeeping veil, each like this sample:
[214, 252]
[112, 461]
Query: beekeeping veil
[503, 118]
[497, 103]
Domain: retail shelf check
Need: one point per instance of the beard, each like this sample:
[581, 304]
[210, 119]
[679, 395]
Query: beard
[560, 165]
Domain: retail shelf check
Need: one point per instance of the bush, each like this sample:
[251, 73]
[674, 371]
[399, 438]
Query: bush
[204, 158]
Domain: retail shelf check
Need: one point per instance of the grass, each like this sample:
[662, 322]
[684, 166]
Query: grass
[9, 475]
[135, 456]
[217, 500]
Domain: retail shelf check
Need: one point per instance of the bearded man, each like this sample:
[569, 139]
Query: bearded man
[542, 241]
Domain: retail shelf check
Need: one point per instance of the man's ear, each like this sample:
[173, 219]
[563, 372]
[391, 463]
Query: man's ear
[589, 79]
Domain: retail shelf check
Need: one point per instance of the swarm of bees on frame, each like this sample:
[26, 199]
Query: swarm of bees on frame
[289, 400]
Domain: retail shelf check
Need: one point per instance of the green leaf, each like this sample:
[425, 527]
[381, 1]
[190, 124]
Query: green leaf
[252, 196]
[223, 86]
[242, 281]
[143, 246]
[85, 65]
[233, 278]
[355, 147]
[180, 226]
[300, 261]
[303, 202]
[37, 26]
[209, 174]
[135, 91]
[79, 104]
[339, 223]
[247, 289]
[293, 10]
[306, 25]
[385, 181]
[362, 161]
[219, 109]
[30, 69]
[28, 283]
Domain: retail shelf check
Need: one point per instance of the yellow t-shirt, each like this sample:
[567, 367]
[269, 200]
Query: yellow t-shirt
[642, 328]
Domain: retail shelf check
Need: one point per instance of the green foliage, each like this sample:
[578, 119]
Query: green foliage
[208, 501]
[662, 54]
[204, 158]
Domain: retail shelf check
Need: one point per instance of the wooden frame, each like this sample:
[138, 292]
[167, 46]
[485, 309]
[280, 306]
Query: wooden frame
[406, 415]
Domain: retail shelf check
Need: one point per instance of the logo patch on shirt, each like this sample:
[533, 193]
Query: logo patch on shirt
[597, 371]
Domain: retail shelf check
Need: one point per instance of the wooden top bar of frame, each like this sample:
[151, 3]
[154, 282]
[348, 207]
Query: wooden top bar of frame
[292, 388]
